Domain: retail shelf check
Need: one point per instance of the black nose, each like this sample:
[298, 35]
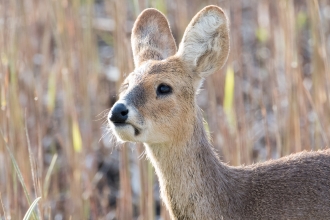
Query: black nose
[119, 113]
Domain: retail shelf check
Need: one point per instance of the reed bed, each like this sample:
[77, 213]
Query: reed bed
[61, 63]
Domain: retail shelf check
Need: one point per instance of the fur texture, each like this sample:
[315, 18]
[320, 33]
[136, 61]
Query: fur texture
[152, 38]
[194, 183]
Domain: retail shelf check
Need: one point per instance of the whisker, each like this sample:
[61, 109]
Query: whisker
[143, 154]
[102, 115]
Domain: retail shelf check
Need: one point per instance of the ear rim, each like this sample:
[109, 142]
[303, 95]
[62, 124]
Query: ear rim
[225, 39]
[142, 20]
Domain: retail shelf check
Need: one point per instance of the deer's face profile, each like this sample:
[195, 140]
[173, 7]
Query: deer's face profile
[154, 99]
[157, 100]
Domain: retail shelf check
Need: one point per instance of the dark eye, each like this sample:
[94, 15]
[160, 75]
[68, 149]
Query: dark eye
[163, 89]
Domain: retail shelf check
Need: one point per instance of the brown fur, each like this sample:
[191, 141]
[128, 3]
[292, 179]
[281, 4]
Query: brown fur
[194, 183]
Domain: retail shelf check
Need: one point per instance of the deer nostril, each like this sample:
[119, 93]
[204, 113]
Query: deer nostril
[118, 113]
[123, 113]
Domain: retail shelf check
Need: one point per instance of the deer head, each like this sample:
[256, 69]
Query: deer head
[157, 100]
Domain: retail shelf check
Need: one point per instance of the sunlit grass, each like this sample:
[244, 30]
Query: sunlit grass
[270, 100]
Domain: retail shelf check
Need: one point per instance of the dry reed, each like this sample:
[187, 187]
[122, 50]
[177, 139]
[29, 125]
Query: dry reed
[61, 63]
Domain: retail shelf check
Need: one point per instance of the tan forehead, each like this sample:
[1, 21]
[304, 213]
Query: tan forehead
[171, 70]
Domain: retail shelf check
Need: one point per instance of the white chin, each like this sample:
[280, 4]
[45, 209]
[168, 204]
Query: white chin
[125, 132]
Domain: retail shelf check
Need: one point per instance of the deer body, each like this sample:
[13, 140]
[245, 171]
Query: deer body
[157, 106]
[196, 185]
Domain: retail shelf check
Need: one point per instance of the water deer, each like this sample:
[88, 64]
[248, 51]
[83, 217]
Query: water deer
[157, 106]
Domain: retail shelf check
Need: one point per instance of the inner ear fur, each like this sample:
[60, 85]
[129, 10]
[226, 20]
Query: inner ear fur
[205, 43]
[151, 37]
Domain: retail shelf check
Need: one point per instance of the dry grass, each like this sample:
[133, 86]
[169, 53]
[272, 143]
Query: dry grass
[59, 65]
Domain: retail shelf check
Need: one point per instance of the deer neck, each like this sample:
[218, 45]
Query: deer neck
[193, 181]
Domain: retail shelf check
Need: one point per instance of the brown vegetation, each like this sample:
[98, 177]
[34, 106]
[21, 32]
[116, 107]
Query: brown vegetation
[58, 67]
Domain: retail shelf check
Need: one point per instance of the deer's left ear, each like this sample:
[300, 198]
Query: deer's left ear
[151, 37]
[205, 43]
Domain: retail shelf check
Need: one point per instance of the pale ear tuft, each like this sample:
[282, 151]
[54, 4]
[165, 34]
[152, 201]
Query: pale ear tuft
[205, 43]
[151, 37]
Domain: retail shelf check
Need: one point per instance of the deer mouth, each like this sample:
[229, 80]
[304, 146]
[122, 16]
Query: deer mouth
[119, 124]
[137, 131]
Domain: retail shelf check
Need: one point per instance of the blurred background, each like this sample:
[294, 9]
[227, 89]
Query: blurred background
[61, 62]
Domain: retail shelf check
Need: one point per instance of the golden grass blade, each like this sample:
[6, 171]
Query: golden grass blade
[76, 136]
[32, 162]
[18, 171]
[228, 103]
[3, 208]
[48, 175]
[51, 92]
[30, 210]
[150, 190]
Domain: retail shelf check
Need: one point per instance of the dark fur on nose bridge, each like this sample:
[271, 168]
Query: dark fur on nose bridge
[137, 96]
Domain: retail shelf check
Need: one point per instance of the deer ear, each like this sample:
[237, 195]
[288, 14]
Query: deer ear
[205, 43]
[151, 37]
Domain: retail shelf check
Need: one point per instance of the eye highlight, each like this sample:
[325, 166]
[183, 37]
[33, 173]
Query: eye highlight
[164, 89]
